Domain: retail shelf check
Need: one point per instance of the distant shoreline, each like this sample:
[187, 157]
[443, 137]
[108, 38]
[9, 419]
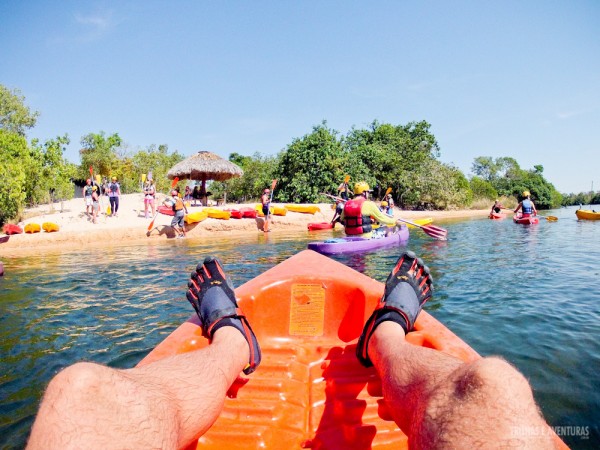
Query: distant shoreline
[130, 227]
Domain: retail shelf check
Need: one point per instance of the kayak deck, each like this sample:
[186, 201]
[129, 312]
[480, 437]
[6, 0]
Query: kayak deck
[357, 244]
[310, 391]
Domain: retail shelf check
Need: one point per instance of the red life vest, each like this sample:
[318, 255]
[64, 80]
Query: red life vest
[354, 221]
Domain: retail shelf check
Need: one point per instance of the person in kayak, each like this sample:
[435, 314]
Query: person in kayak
[437, 399]
[526, 206]
[359, 213]
[497, 207]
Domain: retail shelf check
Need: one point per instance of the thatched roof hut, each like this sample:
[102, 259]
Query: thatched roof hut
[205, 166]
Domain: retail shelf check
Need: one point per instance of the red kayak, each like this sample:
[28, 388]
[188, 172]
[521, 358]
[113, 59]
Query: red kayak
[166, 210]
[497, 216]
[248, 213]
[321, 226]
[529, 220]
[9, 228]
[235, 213]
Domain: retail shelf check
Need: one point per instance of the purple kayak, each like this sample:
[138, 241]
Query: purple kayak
[355, 244]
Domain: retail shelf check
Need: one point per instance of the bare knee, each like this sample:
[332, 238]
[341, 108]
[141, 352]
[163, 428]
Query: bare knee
[78, 379]
[492, 376]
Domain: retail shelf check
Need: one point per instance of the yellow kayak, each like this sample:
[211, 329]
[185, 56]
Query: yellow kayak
[50, 227]
[422, 222]
[195, 217]
[582, 214]
[307, 209]
[275, 210]
[33, 228]
[216, 213]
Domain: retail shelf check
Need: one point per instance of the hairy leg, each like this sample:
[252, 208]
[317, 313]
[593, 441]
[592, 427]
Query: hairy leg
[441, 402]
[166, 404]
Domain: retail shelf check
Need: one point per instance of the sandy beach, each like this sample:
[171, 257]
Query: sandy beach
[131, 226]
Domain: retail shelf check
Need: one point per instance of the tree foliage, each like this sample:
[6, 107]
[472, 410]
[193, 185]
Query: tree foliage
[98, 152]
[15, 158]
[508, 179]
[15, 116]
[310, 165]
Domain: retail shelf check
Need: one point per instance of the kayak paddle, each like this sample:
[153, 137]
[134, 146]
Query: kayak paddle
[266, 225]
[551, 218]
[173, 184]
[431, 230]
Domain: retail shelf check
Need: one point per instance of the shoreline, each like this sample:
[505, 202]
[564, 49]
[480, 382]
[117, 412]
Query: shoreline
[131, 226]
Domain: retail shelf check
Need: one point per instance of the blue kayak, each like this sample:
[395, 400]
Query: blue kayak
[356, 244]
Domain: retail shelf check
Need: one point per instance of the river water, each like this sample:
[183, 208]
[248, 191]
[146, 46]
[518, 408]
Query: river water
[529, 294]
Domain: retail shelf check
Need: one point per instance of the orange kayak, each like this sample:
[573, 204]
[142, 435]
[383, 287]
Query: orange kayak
[310, 391]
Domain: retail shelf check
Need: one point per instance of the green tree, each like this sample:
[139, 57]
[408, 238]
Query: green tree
[310, 165]
[154, 159]
[15, 156]
[53, 173]
[388, 154]
[15, 116]
[99, 152]
[482, 188]
[259, 171]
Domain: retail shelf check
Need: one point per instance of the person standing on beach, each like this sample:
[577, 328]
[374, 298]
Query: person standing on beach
[114, 191]
[95, 204]
[149, 194]
[87, 196]
[265, 199]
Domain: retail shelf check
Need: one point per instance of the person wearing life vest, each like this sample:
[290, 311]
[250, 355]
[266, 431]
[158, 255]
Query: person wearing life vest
[114, 191]
[87, 196]
[526, 206]
[359, 213]
[180, 211]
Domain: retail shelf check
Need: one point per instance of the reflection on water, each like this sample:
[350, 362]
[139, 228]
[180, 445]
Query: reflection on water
[530, 294]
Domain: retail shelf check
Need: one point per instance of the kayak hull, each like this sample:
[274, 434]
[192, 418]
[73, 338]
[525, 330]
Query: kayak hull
[531, 220]
[355, 244]
[33, 228]
[307, 313]
[10, 228]
[306, 209]
[586, 214]
[50, 227]
[320, 226]
[166, 210]
[497, 216]
[195, 217]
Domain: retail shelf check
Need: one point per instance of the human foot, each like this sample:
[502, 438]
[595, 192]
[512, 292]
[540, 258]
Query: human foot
[212, 296]
[408, 287]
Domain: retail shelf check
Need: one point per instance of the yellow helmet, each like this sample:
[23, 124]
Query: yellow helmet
[384, 203]
[526, 193]
[361, 187]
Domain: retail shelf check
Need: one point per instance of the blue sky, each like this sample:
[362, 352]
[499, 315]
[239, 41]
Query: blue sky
[506, 78]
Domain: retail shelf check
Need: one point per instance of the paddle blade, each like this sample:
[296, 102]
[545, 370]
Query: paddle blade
[174, 182]
[551, 218]
[346, 178]
[387, 192]
[435, 232]
[273, 185]
[152, 223]
[91, 170]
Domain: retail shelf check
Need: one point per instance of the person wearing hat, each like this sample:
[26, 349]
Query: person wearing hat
[526, 205]
[95, 204]
[114, 191]
[360, 213]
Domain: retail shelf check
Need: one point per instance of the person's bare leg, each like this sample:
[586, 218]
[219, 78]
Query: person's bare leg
[438, 400]
[441, 402]
[166, 404]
